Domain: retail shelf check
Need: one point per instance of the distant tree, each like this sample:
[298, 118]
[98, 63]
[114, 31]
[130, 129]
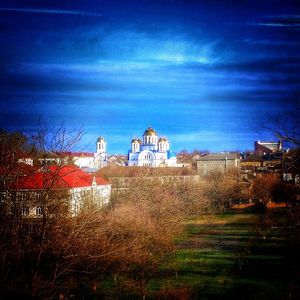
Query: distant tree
[263, 188]
[222, 188]
[13, 147]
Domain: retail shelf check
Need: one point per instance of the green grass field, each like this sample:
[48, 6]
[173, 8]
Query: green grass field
[225, 257]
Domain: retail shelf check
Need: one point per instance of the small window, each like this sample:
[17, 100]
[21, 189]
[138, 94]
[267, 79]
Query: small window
[25, 211]
[13, 195]
[38, 211]
[24, 196]
[2, 196]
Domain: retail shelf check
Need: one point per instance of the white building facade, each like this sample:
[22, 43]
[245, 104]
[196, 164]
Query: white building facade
[56, 189]
[93, 161]
[151, 151]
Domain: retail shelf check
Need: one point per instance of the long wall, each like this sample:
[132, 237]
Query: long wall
[125, 182]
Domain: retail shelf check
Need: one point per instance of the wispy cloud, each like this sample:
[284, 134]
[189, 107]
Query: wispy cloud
[271, 42]
[283, 21]
[51, 11]
[165, 46]
[275, 24]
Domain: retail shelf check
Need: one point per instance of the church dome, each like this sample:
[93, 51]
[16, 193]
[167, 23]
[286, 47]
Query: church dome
[100, 138]
[149, 131]
[136, 140]
[162, 139]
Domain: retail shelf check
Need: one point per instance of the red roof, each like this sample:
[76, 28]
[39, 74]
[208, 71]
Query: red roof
[56, 177]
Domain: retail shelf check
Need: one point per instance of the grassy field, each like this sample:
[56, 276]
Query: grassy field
[226, 257]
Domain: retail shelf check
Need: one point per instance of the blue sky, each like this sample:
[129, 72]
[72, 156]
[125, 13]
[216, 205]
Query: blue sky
[206, 74]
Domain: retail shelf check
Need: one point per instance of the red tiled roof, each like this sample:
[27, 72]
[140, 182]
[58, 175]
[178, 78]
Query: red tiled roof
[56, 177]
[38, 181]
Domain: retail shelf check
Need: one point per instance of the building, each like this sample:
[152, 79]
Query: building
[81, 159]
[100, 157]
[265, 148]
[291, 166]
[117, 159]
[84, 160]
[151, 151]
[221, 162]
[52, 188]
[92, 161]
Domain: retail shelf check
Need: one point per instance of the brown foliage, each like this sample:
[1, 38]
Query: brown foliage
[263, 188]
[222, 188]
[147, 217]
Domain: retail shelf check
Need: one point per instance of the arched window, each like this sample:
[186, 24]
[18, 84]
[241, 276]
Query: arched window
[38, 211]
[25, 211]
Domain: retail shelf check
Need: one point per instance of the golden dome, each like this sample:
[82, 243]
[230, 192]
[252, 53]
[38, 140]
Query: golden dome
[149, 131]
[136, 140]
[162, 139]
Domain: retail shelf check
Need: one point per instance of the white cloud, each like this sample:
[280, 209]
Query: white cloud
[51, 11]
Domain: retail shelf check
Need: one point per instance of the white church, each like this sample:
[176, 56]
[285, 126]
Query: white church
[92, 161]
[151, 151]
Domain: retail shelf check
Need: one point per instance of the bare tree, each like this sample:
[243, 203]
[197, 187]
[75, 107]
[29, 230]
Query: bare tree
[146, 218]
[263, 188]
[222, 188]
[286, 127]
[26, 242]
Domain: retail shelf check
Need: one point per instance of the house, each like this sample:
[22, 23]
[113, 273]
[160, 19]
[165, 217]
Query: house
[53, 188]
[265, 148]
[80, 159]
[291, 166]
[221, 162]
[84, 160]
[117, 159]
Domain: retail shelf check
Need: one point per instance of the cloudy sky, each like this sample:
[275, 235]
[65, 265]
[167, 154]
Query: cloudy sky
[206, 74]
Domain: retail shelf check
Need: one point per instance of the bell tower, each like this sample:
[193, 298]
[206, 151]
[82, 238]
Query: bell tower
[101, 154]
[101, 145]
